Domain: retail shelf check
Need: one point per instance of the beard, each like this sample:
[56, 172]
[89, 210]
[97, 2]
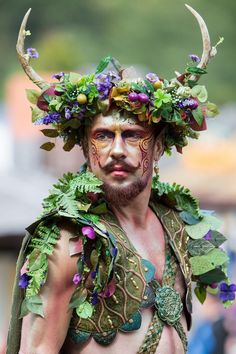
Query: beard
[122, 195]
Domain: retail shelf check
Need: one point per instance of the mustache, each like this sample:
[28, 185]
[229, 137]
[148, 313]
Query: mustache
[110, 167]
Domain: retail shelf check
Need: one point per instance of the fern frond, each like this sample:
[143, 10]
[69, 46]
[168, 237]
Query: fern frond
[45, 237]
[177, 196]
[86, 182]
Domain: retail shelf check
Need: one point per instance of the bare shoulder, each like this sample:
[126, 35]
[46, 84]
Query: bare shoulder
[62, 266]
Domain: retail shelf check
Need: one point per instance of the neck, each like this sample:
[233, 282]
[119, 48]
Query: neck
[136, 213]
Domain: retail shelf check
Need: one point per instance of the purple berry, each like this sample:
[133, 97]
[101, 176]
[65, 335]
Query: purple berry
[143, 98]
[214, 285]
[133, 96]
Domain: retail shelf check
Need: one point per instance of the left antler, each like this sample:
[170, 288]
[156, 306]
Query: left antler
[24, 58]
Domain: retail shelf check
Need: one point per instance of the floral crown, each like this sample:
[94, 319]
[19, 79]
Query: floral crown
[180, 105]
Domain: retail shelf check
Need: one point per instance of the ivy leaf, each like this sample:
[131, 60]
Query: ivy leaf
[78, 297]
[201, 293]
[35, 305]
[213, 276]
[188, 218]
[50, 133]
[68, 146]
[36, 114]
[85, 310]
[74, 78]
[211, 110]
[200, 229]
[24, 309]
[47, 146]
[198, 115]
[205, 263]
[32, 95]
[217, 238]
[138, 87]
[199, 247]
[72, 123]
[103, 64]
[200, 92]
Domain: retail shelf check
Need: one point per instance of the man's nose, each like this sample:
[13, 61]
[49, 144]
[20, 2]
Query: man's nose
[118, 149]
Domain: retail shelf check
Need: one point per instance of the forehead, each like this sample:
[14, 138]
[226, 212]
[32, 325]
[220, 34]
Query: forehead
[118, 120]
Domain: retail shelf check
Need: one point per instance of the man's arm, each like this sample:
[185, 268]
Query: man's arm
[46, 335]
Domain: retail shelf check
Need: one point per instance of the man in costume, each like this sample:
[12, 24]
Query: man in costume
[108, 265]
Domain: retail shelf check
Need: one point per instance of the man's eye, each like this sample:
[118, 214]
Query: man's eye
[132, 135]
[103, 136]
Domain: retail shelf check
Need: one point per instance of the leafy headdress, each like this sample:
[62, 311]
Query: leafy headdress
[180, 105]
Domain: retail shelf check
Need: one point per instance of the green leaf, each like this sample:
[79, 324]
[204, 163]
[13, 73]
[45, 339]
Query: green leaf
[37, 260]
[217, 238]
[196, 70]
[78, 297]
[36, 114]
[24, 309]
[149, 86]
[74, 78]
[200, 92]
[83, 206]
[211, 110]
[103, 64]
[35, 305]
[50, 133]
[47, 146]
[68, 146]
[32, 95]
[188, 218]
[100, 209]
[85, 310]
[205, 263]
[199, 247]
[200, 229]
[201, 293]
[213, 276]
[198, 115]
[73, 123]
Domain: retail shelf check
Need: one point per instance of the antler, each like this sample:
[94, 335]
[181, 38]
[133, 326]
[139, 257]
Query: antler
[24, 58]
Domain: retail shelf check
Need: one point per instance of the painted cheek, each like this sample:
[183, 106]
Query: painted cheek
[145, 145]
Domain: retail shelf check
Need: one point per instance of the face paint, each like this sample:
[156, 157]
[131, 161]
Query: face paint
[121, 153]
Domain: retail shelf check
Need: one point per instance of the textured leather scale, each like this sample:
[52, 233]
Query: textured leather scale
[155, 329]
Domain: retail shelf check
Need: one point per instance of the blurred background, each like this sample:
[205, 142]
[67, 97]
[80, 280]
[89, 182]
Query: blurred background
[154, 36]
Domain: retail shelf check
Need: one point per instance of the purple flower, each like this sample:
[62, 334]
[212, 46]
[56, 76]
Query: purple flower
[208, 236]
[32, 53]
[89, 232]
[94, 299]
[188, 103]
[103, 84]
[77, 278]
[58, 76]
[50, 118]
[194, 58]
[67, 113]
[227, 292]
[24, 281]
[152, 77]
[114, 76]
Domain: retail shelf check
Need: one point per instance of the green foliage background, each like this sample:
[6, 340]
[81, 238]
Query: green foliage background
[155, 34]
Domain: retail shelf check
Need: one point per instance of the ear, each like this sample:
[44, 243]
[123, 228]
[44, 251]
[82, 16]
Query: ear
[158, 148]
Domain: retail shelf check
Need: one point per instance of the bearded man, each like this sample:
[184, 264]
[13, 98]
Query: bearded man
[109, 264]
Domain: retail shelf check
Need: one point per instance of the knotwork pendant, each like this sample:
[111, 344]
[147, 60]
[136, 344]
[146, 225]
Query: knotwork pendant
[168, 304]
